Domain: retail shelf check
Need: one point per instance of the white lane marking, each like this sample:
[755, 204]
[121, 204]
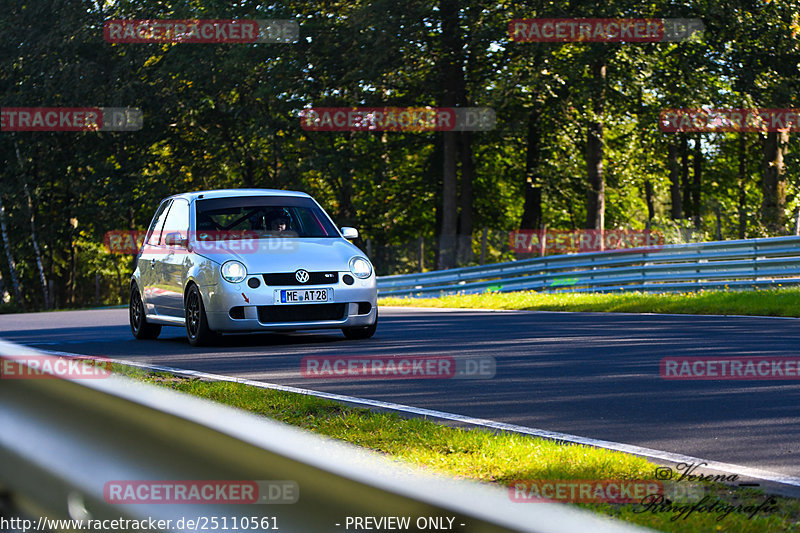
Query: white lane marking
[649, 453]
[627, 313]
[88, 341]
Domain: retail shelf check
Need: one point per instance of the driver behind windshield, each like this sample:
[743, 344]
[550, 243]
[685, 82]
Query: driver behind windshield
[279, 222]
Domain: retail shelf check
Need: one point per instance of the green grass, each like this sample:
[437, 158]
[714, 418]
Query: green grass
[477, 454]
[767, 302]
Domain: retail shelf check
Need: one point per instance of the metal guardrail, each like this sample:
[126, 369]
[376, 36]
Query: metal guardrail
[681, 267]
[62, 440]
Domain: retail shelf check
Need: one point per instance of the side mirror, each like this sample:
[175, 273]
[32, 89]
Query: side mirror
[175, 239]
[350, 233]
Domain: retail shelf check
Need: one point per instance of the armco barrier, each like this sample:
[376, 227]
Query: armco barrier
[681, 267]
[63, 440]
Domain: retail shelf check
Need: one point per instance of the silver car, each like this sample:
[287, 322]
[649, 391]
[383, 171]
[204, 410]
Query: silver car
[246, 260]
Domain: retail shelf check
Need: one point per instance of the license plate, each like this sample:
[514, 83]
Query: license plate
[304, 296]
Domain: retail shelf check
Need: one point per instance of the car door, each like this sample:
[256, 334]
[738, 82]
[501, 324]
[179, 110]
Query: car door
[173, 265]
[149, 256]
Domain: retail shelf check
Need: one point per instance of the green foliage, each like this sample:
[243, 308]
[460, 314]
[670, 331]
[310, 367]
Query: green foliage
[758, 302]
[219, 116]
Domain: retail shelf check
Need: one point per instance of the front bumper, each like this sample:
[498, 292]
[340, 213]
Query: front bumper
[219, 299]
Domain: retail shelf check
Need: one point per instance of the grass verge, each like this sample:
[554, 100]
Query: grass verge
[485, 456]
[766, 302]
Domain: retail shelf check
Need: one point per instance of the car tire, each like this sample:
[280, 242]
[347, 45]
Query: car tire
[197, 330]
[362, 332]
[140, 327]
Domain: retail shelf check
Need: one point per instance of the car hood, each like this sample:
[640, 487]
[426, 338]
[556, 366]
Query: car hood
[262, 256]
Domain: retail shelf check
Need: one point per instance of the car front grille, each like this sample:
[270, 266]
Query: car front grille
[300, 312]
[314, 278]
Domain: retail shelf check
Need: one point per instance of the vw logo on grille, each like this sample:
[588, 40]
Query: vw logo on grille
[301, 276]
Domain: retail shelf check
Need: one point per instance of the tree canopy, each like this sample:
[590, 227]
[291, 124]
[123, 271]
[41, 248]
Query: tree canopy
[577, 143]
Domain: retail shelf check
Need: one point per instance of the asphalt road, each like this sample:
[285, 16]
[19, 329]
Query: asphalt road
[589, 374]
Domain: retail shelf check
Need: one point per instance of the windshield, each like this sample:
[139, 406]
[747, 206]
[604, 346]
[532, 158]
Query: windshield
[263, 217]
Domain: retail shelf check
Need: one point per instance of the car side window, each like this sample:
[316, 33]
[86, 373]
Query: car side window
[154, 233]
[177, 219]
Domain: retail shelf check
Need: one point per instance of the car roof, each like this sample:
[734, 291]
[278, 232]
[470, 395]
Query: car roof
[233, 193]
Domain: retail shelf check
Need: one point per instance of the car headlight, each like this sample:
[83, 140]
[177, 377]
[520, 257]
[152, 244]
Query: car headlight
[360, 267]
[233, 271]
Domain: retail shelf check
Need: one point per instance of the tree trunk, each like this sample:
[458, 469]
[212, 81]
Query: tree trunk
[69, 289]
[596, 196]
[73, 273]
[774, 182]
[465, 220]
[464, 253]
[532, 210]
[688, 208]
[31, 216]
[447, 234]
[347, 209]
[451, 71]
[649, 193]
[697, 162]
[742, 190]
[132, 226]
[12, 266]
[674, 180]
[648, 196]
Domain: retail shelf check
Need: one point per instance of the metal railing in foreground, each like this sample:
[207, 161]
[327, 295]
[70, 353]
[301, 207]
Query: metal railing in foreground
[681, 267]
[62, 441]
